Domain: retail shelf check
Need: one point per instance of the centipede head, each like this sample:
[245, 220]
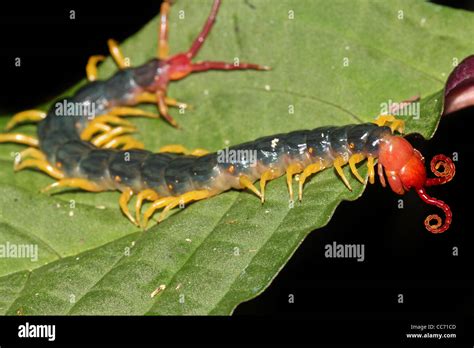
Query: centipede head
[405, 169]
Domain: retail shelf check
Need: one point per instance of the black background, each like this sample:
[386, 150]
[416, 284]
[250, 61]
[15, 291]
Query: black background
[401, 256]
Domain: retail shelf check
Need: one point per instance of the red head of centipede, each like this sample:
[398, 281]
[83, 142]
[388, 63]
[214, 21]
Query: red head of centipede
[405, 169]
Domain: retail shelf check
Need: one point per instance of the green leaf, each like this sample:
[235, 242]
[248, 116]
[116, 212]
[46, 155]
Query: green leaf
[220, 252]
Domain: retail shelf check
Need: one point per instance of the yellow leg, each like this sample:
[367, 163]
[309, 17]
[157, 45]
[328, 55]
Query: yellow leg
[129, 111]
[106, 137]
[25, 116]
[83, 184]
[198, 152]
[371, 171]
[382, 119]
[398, 125]
[338, 163]
[173, 148]
[163, 47]
[123, 202]
[157, 204]
[292, 169]
[247, 184]
[175, 103]
[126, 141]
[191, 196]
[117, 54]
[41, 165]
[91, 67]
[353, 160]
[147, 97]
[18, 138]
[161, 99]
[176, 148]
[148, 195]
[30, 152]
[395, 124]
[381, 176]
[111, 119]
[309, 170]
[101, 124]
[266, 176]
[94, 128]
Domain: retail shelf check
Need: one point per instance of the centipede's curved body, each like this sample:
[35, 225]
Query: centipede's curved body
[171, 174]
[82, 150]
[178, 178]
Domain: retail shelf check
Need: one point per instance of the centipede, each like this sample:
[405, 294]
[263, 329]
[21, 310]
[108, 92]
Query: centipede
[97, 154]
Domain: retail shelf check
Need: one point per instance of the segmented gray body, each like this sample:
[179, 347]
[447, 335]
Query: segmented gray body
[173, 174]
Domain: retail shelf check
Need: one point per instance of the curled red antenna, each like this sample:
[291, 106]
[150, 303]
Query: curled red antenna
[442, 177]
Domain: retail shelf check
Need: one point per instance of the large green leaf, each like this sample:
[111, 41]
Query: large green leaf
[220, 252]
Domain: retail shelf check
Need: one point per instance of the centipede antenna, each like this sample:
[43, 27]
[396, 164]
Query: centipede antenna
[196, 46]
[438, 227]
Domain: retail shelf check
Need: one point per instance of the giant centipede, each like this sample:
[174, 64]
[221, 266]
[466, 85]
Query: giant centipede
[88, 154]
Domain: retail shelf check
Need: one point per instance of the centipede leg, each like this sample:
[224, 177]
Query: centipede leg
[81, 183]
[191, 196]
[157, 204]
[42, 165]
[246, 183]
[19, 139]
[309, 170]
[106, 137]
[371, 169]
[129, 111]
[163, 47]
[395, 124]
[30, 152]
[161, 100]
[266, 176]
[176, 148]
[124, 141]
[102, 124]
[148, 195]
[116, 54]
[37, 160]
[147, 97]
[381, 175]
[25, 116]
[338, 163]
[92, 129]
[292, 169]
[353, 160]
[91, 67]
[123, 202]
